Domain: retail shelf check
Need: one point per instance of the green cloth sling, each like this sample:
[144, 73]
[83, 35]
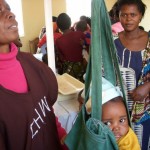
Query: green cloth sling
[89, 132]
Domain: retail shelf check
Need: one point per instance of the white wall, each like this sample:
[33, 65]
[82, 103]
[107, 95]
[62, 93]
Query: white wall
[146, 20]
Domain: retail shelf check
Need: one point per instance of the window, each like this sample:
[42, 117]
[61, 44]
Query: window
[16, 8]
[77, 8]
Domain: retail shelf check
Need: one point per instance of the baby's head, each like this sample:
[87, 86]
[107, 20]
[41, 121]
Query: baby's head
[114, 115]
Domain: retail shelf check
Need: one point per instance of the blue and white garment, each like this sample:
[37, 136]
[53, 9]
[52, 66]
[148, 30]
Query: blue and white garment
[139, 62]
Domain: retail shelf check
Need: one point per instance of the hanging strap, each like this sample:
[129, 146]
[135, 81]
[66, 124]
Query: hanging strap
[102, 55]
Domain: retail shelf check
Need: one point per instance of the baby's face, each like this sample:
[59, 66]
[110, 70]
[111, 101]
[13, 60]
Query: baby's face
[115, 116]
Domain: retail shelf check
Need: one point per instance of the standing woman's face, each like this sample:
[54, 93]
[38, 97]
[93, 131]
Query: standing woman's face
[130, 17]
[8, 24]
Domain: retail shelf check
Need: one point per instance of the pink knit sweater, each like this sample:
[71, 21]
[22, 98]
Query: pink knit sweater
[11, 73]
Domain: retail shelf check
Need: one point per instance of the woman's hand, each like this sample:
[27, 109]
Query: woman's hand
[139, 93]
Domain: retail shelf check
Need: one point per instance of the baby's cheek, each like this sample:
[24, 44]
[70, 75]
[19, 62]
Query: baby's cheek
[124, 130]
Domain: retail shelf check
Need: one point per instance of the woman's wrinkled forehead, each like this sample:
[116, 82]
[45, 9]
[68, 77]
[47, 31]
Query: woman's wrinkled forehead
[4, 4]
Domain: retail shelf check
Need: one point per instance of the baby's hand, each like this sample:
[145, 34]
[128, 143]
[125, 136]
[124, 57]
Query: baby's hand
[63, 140]
[64, 146]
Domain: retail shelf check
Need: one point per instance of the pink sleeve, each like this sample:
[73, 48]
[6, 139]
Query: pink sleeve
[60, 129]
[61, 133]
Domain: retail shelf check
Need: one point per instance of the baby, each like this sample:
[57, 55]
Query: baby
[114, 115]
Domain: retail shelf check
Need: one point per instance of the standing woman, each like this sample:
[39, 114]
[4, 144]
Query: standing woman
[28, 90]
[133, 49]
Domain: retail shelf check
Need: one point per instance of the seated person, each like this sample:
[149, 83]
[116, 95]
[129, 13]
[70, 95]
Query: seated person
[42, 46]
[69, 48]
[82, 26]
[83, 18]
[114, 115]
[114, 16]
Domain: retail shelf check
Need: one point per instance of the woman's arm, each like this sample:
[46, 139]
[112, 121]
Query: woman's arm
[139, 93]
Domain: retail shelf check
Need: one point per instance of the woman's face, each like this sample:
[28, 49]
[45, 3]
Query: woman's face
[8, 24]
[130, 17]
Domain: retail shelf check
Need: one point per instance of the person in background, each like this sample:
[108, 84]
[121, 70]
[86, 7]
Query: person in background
[83, 18]
[42, 42]
[87, 20]
[114, 16]
[111, 16]
[142, 28]
[82, 26]
[28, 90]
[133, 50]
[69, 49]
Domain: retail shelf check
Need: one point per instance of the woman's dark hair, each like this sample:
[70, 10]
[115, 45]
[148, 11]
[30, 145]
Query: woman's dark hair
[141, 27]
[63, 21]
[88, 20]
[83, 18]
[115, 9]
[140, 5]
[114, 13]
[54, 18]
[81, 26]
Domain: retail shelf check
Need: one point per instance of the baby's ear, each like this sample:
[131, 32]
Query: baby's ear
[80, 99]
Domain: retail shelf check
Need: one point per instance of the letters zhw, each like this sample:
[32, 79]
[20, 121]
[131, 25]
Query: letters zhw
[34, 126]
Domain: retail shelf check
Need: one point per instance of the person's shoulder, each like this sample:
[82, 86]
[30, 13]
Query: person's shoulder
[71, 36]
[74, 33]
[144, 36]
[24, 55]
[144, 33]
[79, 34]
[27, 58]
[61, 37]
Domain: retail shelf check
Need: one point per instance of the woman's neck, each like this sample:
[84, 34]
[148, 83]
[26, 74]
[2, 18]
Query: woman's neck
[130, 35]
[134, 40]
[4, 48]
[67, 31]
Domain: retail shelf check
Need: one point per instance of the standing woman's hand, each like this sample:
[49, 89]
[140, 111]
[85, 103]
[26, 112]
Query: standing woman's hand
[141, 92]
